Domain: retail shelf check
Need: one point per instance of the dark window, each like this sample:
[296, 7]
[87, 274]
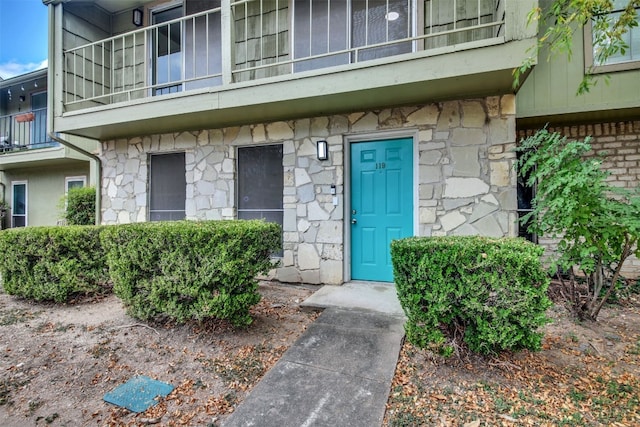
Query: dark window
[260, 183]
[167, 187]
[525, 197]
[19, 208]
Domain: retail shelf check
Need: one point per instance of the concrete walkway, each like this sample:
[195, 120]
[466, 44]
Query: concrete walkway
[339, 371]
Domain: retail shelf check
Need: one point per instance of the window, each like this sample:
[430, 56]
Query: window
[525, 196]
[202, 44]
[167, 187]
[322, 27]
[260, 183]
[19, 204]
[74, 182]
[167, 50]
[39, 123]
[630, 59]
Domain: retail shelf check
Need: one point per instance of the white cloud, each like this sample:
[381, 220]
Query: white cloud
[13, 68]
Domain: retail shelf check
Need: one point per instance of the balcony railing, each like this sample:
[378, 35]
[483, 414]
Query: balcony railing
[24, 130]
[256, 39]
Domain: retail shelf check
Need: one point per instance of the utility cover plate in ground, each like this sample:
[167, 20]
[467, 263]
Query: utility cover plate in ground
[138, 394]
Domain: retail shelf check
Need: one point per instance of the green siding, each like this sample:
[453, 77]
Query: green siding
[550, 89]
[45, 188]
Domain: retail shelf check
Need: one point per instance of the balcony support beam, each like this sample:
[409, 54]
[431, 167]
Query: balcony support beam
[226, 41]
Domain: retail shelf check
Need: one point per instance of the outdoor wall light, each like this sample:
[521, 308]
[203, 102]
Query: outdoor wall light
[322, 150]
[137, 17]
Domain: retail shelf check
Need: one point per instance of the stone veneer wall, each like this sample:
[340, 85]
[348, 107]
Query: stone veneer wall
[465, 173]
[621, 142]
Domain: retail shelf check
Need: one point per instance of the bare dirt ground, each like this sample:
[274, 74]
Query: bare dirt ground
[587, 374]
[58, 361]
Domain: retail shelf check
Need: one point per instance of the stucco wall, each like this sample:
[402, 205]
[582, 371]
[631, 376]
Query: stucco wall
[621, 142]
[464, 175]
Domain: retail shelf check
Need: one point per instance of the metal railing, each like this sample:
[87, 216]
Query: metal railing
[266, 38]
[24, 130]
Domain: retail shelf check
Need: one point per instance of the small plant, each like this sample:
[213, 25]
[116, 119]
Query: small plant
[571, 336]
[597, 225]
[4, 208]
[15, 315]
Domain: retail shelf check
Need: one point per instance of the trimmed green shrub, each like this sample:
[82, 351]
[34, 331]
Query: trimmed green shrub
[81, 206]
[190, 270]
[490, 293]
[53, 263]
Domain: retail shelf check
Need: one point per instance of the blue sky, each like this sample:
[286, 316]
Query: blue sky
[23, 36]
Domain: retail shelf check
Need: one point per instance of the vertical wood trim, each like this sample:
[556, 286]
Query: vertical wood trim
[226, 40]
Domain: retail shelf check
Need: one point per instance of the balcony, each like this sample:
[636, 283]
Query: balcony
[274, 59]
[24, 131]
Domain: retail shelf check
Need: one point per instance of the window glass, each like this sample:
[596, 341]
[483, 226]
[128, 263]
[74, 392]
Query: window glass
[19, 205]
[525, 196]
[322, 26]
[167, 187]
[260, 183]
[631, 38]
[75, 182]
[39, 123]
[167, 51]
[380, 21]
[202, 44]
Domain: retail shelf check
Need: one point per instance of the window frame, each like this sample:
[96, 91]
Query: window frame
[417, 29]
[279, 254]
[157, 89]
[150, 187]
[77, 178]
[524, 191]
[26, 203]
[590, 67]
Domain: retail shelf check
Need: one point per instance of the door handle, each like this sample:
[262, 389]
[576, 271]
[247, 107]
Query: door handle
[354, 221]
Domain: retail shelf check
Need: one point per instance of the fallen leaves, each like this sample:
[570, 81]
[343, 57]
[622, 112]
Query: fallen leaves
[567, 383]
[77, 358]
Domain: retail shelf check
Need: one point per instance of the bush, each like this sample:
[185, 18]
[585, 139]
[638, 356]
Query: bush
[52, 263]
[190, 270]
[489, 293]
[81, 206]
[597, 225]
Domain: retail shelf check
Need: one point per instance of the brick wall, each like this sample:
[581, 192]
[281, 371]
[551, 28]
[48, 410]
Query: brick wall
[621, 142]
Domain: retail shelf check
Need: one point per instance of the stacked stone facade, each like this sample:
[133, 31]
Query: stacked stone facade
[620, 143]
[465, 175]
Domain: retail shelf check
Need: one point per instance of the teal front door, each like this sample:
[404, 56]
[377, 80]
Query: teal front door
[381, 204]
